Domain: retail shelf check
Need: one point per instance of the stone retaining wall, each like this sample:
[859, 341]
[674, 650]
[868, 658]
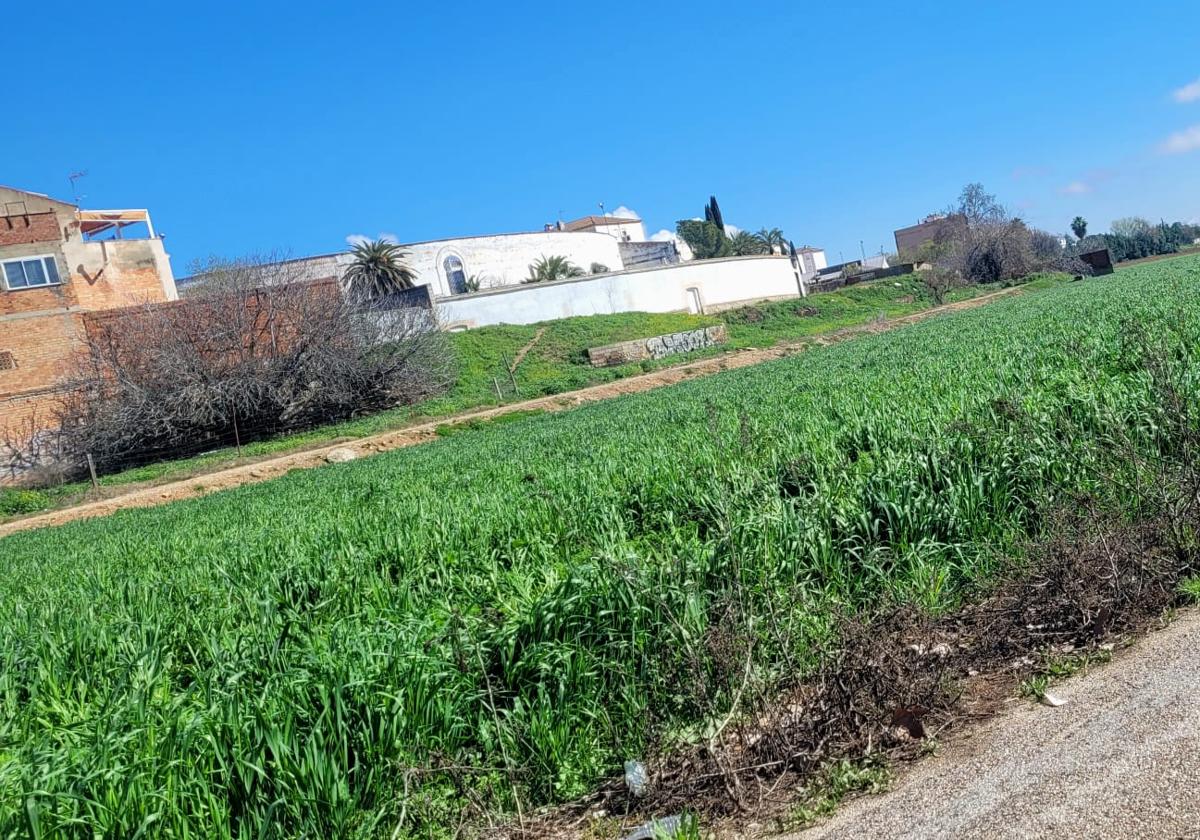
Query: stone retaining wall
[657, 347]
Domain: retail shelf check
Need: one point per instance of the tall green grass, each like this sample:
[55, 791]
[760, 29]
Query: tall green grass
[503, 616]
[555, 363]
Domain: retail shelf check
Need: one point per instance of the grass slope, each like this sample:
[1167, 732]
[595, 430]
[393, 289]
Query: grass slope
[555, 364]
[513, 611]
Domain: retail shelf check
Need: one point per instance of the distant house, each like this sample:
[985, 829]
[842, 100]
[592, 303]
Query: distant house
[812, 260]
[58, 263]
[624, 229]
[932, 228]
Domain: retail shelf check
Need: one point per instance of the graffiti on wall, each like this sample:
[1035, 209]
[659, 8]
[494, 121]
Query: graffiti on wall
[658, 347]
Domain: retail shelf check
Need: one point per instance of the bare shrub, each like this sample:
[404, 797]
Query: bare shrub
[939, 282]
[29, 452]
[257, 349]
[985, 243]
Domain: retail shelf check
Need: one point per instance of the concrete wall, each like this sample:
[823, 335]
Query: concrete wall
[715, 283]
[646, 254]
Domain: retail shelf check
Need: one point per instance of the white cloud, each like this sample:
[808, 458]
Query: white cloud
[359, 238]
[1076, 188]
[732, 230]
[1188, 93]
[1180, 142]
[623, 212]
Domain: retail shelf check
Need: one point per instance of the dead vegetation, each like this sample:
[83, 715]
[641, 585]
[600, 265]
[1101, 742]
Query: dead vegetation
[899, 678]
[257, 349]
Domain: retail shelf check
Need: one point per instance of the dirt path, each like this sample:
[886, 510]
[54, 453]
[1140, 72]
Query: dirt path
[200, 485]
[1120, 759]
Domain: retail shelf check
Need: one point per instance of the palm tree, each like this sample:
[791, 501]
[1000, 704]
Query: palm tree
[744, 244]
[772, 238]
[548, 269]
[378, 270]
[1079, 227]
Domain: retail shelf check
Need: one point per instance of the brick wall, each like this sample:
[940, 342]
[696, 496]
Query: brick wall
[41, 348]
[264, 318]
[35, 227]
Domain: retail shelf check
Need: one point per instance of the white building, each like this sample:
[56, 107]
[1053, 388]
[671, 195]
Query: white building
[623, 229]
[454, 266]
[478, 280]
[595, 244]
[812, 260]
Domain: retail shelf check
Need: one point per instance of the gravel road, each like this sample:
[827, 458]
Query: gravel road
[1121, 759]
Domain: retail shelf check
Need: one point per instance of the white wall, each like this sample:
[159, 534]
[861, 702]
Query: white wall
[659, 289]
[504, 260]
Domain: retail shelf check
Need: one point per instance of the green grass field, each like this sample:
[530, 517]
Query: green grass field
[363, 650]
[556, 363]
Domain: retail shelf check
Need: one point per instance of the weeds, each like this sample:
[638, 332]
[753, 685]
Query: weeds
[1056, 667]
[1190, 587]
[832, 785]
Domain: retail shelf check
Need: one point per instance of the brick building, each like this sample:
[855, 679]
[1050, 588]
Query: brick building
[57, 263]
[932, 229]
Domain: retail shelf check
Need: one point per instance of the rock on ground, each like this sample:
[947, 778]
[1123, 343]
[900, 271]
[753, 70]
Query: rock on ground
[340, 455]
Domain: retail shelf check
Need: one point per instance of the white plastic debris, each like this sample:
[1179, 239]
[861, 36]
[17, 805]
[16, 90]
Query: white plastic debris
[1052, 700]
[635, 778]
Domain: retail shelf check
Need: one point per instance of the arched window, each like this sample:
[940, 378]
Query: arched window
[456, 275]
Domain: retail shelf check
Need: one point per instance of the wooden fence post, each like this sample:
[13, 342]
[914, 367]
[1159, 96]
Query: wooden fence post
[92, 470]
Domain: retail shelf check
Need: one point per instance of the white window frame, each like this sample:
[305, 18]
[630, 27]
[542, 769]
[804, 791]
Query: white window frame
[44, 258]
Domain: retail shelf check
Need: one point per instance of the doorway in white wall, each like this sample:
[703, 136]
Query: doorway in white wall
[694, 305]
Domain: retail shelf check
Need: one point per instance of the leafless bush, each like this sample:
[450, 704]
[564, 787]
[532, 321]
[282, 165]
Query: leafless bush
[29, 452]
[258, 348]
[985, 243]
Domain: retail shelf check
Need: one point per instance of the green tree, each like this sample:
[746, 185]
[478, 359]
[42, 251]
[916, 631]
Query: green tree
[377, 270]
[772, 238]
[744, 244]
[1079, 227]
[712, 213]
[548, 269]
[705, 239]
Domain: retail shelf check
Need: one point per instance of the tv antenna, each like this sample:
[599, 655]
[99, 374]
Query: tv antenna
[73, 177]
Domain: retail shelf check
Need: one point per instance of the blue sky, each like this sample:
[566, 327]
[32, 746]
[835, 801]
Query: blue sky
[254, 127]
